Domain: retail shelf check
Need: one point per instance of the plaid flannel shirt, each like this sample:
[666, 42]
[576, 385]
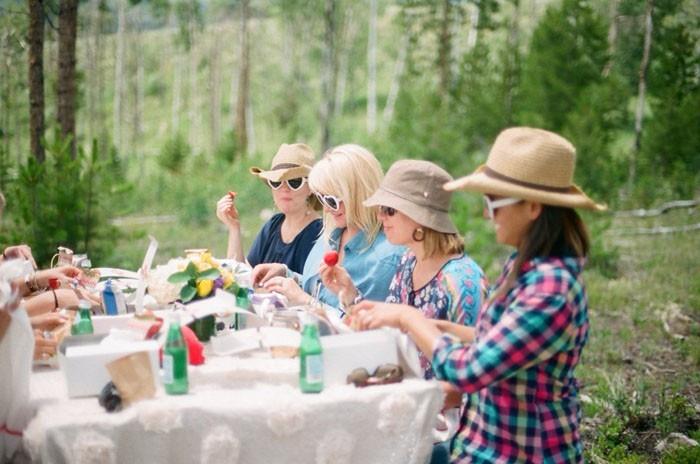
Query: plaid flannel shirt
[521, 368]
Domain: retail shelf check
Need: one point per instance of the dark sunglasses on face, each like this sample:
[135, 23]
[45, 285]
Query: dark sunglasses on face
[387, 210]
[293, 184]
[329, 201]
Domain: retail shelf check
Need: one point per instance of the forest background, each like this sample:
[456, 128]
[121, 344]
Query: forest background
[123, 118]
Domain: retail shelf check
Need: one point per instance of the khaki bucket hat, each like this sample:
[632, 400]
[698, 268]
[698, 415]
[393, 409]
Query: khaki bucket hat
[291, 161]
[531, 164]
[414, 188]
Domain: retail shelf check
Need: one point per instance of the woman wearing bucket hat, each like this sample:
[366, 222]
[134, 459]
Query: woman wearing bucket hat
[289, 235]
[345, 177]
[435, 275]
[530, 333]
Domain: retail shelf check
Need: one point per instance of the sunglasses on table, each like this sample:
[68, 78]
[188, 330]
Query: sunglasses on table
[493, 205]
[329, 201]
[387, 210]
[293, 184]
[384, 374]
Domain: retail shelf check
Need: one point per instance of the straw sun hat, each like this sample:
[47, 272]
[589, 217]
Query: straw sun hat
[291, 161]
[414, 188]
[531, 164]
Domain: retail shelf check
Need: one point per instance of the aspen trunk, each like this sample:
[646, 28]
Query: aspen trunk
[639, 114]
[372, 69]
[241, 125]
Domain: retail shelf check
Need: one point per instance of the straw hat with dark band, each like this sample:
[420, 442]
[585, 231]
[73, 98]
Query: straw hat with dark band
[291, 161]
[414, 188]
[531, 164]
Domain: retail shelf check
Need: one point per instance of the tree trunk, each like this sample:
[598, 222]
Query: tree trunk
[396, 80]
[612, 38]
[241, 125]
[473, 34]
[328, 74]
[178, 67]
[639, 114]
[137, 88]
[67, 34]
[372, 69]
[349, 33]
[445, 48]
[215, 92]
[36, 78]
[512, 69]
[119, 74]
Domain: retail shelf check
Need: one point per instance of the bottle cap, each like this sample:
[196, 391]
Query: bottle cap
[84, 304]
[306, 318]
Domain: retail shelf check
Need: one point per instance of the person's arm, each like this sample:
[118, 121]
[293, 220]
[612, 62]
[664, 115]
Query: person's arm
[18, 252]
[464, 333]
[374, 314]
[227, 213]
[534, 328]
[40, 280]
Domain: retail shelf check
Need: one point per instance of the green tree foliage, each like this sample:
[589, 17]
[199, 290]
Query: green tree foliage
[567, 54]
[671, 142]
[63, 201]
[174, 153]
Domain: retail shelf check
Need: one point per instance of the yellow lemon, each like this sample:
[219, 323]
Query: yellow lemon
[204, 287]
[206, 257]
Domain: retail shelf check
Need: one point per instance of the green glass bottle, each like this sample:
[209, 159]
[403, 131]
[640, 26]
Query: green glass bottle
[175, 360]
[310, 359]
[82, 325]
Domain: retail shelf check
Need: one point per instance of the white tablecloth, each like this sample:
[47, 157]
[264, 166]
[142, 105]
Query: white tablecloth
[262, 423]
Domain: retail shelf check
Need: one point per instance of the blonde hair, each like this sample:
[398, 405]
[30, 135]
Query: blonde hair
[351, 173]
[441, 244]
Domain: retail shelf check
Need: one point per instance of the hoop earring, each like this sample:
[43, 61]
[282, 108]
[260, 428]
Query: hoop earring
[418, 234]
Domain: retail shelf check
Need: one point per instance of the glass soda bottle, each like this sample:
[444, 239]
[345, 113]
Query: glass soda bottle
[82, 325]
[310, 359]
[175, 360]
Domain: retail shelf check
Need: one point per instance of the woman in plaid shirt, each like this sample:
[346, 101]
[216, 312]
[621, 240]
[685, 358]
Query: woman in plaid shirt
[520, 359]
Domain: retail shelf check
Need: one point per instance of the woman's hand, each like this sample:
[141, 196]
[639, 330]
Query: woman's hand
[44, 348]
[289, 288]
[337, 280]
[453, 395]
[47, 321]
[64, 274]
[227, 213]
[265, 271]
[19, 252]
[375, 314]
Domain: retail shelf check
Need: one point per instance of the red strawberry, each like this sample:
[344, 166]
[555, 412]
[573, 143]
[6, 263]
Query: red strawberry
[331, 258]
[232, 194]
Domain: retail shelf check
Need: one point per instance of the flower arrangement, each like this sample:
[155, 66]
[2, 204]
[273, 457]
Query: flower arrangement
[201, 276]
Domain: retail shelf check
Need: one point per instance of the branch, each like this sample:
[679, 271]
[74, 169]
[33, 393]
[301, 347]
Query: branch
[660, 230]
[660, 210]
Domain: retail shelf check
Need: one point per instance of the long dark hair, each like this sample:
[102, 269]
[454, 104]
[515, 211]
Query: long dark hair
[557, 232]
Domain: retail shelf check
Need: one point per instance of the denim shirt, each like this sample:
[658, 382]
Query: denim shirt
[371, 267]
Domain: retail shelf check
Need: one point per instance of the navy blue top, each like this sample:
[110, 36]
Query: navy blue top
[269, 247]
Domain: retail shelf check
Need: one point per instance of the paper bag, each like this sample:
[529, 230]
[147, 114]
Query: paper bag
[133, 377]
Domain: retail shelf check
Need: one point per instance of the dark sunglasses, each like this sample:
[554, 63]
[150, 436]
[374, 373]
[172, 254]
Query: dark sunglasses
[293, 184]
[384, 374]
[329, 201]
[387, 210]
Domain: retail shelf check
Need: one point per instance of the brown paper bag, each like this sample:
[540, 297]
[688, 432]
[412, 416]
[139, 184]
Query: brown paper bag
[133, 377]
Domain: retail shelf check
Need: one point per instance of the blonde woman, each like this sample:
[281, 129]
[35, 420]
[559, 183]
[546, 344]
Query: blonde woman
[342, 180]
[435, 275]
[290, 234]
[530, 334]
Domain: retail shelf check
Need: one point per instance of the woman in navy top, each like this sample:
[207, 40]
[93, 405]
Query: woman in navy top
[290, 234]
[345, 177]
